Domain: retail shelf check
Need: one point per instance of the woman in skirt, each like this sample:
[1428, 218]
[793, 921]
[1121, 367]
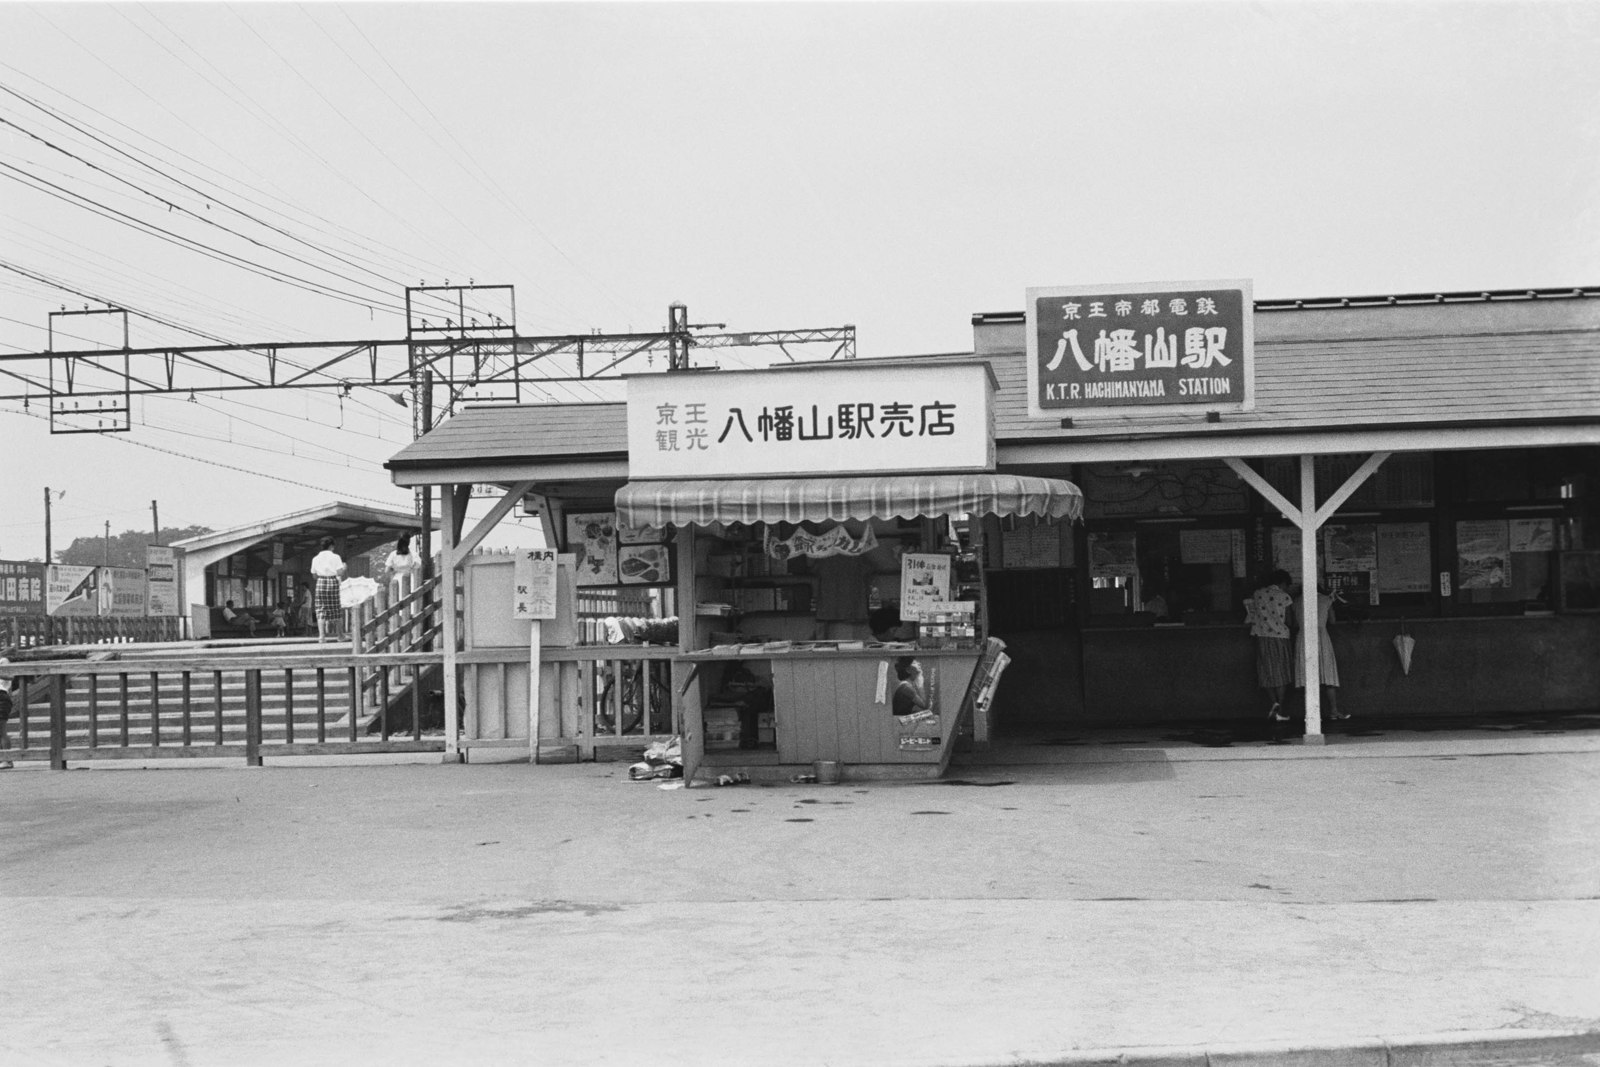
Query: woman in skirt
[1269, 625]
[328, 568]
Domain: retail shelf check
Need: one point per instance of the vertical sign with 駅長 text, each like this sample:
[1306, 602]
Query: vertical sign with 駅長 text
[1142, 346]
[533, 577]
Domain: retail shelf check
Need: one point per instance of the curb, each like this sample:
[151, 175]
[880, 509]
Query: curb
[1486, 1048]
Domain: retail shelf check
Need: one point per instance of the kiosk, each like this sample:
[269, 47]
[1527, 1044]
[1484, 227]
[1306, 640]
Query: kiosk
[817, 578]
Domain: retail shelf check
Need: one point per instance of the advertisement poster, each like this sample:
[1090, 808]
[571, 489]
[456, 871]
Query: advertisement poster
[122, 592]
[592, 538]
[1350, 549]
[1034, 545]
[1113, 555]
[161, 581]
[72, 590]
[1206, 546]
[643, 535]
[924, 581]
[644, 564]
[1483, 554]
[533, 579]
[1405, 559]
[1533, 535]
[1286, 551]
[21, 588]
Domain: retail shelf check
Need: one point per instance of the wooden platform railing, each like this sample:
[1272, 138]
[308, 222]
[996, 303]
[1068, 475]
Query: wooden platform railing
[250, 707]
[38, 631]
[383, 626]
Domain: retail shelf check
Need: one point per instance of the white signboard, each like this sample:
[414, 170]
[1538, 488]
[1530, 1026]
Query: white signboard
[833, 419]
[72, 590]
[122, 592]
[533, 577]
[924, 584]
[161, 581]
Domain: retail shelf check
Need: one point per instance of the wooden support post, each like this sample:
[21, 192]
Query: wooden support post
[448, 558]
[1310, 643]
[58, 722]
[533, 691]
[252, 717]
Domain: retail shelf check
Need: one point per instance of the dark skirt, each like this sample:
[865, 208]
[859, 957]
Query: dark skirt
[1274, 667]
[327, 596]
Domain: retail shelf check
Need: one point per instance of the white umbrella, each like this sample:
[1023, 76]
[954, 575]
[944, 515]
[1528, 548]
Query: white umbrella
[1403, 644]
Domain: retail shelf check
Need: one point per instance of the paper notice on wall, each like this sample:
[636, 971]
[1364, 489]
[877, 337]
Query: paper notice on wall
[1350, 549]
[1205, 546]
[1405, 563]
[1483, 554]
[1113, 554]
[1237, 549]
[924, 582]
[1286, 550]
[1533, 535]
[881, 695]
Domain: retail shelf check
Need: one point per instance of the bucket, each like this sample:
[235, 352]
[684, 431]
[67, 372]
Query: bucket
[827, 771]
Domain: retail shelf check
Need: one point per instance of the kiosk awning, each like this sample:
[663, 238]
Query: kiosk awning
[657, 503]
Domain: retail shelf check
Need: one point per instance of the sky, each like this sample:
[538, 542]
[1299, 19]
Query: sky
[273, 172]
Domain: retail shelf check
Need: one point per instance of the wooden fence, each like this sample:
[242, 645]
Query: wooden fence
[219, 706]
[37, 631]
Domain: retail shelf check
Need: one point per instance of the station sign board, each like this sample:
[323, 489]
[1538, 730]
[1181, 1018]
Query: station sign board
[833, 419]
[1148, 347]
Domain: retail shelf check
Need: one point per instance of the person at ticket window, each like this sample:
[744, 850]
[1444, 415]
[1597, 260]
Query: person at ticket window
[911, 694]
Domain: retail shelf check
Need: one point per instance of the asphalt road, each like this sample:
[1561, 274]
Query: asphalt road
[564, 915]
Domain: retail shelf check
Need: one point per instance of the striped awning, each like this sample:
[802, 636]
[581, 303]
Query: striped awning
[658, 503]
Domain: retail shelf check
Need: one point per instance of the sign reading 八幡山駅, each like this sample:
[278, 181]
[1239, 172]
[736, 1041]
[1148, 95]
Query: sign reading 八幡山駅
[1145, 346]
[854, 418]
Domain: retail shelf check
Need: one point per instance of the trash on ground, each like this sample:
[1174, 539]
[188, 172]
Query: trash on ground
[804, 779]
[737, 778]
[663, 759]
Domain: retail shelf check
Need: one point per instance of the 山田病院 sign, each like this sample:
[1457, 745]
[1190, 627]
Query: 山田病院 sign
[833, 419]
[1142, 346]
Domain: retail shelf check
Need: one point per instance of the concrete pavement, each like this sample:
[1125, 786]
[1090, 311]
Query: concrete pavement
[1413, 906]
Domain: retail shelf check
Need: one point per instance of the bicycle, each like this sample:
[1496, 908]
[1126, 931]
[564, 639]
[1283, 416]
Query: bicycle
[627, 700]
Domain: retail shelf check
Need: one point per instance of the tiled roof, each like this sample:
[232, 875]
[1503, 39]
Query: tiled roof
[1410, 382]
[508, 433]
[1315, 370]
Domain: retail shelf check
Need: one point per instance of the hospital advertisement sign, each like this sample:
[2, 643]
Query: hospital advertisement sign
[808, 420]
[21, 588]
[1140, 347]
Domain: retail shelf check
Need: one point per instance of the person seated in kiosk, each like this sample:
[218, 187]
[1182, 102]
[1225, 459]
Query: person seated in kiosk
[886, 625]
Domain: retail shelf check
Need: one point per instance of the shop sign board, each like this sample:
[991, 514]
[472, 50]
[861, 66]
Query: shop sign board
[161, 580]
[122, 592]
[1149, 346]
[72, 590]
[21, 588]
[828, 420]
